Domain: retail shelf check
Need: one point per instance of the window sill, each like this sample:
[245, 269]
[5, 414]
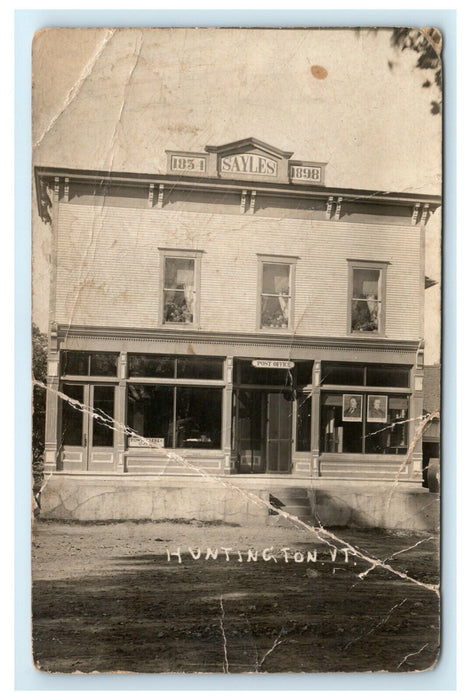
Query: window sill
[271, 329]
[366, 334]
[178, 324]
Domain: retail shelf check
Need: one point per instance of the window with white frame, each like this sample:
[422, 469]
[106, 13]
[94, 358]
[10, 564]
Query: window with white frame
[367, 283]
[180, 286]
[276, 279]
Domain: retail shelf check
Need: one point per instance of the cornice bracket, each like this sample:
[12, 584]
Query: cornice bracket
[160, 196]
[252, 202]
[150, 198]
[328, 211]
[415, 214]
[338, 208]
[425, 214]
[242, 207]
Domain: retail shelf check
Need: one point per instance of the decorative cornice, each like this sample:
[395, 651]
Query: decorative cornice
[51, 176]
[250, 339]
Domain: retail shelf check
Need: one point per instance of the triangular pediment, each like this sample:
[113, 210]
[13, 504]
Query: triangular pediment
[249, 144]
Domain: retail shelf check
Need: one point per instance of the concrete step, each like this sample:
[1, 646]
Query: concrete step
[294, 501]
[282, 521]
[300, 511]
[289, 494]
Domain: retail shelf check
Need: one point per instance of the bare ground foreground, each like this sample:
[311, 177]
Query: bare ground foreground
[106, 598]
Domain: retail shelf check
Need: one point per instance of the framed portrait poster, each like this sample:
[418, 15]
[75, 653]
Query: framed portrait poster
[352, 407]
[377, 408]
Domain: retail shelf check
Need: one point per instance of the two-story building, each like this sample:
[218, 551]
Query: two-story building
[234, 317]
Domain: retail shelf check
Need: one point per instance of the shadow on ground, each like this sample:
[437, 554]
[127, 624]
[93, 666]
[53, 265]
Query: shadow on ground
[149, 615]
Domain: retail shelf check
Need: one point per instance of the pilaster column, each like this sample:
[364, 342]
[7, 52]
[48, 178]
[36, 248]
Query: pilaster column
[51, 417]
[315, 419]
[120, 412]
[226, 413]
[415, 412]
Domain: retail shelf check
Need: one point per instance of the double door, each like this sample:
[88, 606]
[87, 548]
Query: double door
[87, 431]
[264, 431]
[279, 429]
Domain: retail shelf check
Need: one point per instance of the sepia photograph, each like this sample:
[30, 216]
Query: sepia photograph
[236, 274]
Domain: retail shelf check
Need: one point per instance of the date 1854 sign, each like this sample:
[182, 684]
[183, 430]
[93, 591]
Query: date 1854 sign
[189, 163]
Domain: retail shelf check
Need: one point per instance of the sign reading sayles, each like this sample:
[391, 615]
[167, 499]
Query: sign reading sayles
[249, 164]
[248, 159]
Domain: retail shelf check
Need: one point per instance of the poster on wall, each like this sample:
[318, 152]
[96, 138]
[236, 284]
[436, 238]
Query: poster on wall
[236, 252]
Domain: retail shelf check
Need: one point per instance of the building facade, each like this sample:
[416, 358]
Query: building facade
[234, 316]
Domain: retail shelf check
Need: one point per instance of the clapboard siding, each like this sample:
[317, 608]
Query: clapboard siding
[108, 267]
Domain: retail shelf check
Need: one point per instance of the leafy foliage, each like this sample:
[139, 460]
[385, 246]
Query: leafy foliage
[39, 371]
[427, 44]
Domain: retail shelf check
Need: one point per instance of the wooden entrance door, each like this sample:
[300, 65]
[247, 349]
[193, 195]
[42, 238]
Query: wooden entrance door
[87, 438]
[279, 430]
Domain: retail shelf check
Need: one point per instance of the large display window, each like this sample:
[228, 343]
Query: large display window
[364, 423]
[177, 413]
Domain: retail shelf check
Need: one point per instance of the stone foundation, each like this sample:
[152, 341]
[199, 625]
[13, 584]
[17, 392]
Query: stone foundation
[329, 503]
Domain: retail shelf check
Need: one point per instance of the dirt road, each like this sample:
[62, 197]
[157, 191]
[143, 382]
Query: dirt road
[109, 598]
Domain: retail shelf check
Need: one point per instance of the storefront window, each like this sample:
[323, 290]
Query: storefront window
[199, 367]
[303, 423]
[303, 372]
[198, 417]
[162, 366]
[336, 435]
[179, 290]
[102, 432]
[364, 423]
[72, 416]
[183, 417]
[386, 375]
[390, 436]
[95, 364]
[168, 366]
[350, 374]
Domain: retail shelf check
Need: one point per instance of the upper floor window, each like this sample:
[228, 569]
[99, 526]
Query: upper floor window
[367, 296]
[276, 292]
[180, 286]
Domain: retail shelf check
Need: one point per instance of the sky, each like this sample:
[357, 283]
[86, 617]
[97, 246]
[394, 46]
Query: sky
[117, 99]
